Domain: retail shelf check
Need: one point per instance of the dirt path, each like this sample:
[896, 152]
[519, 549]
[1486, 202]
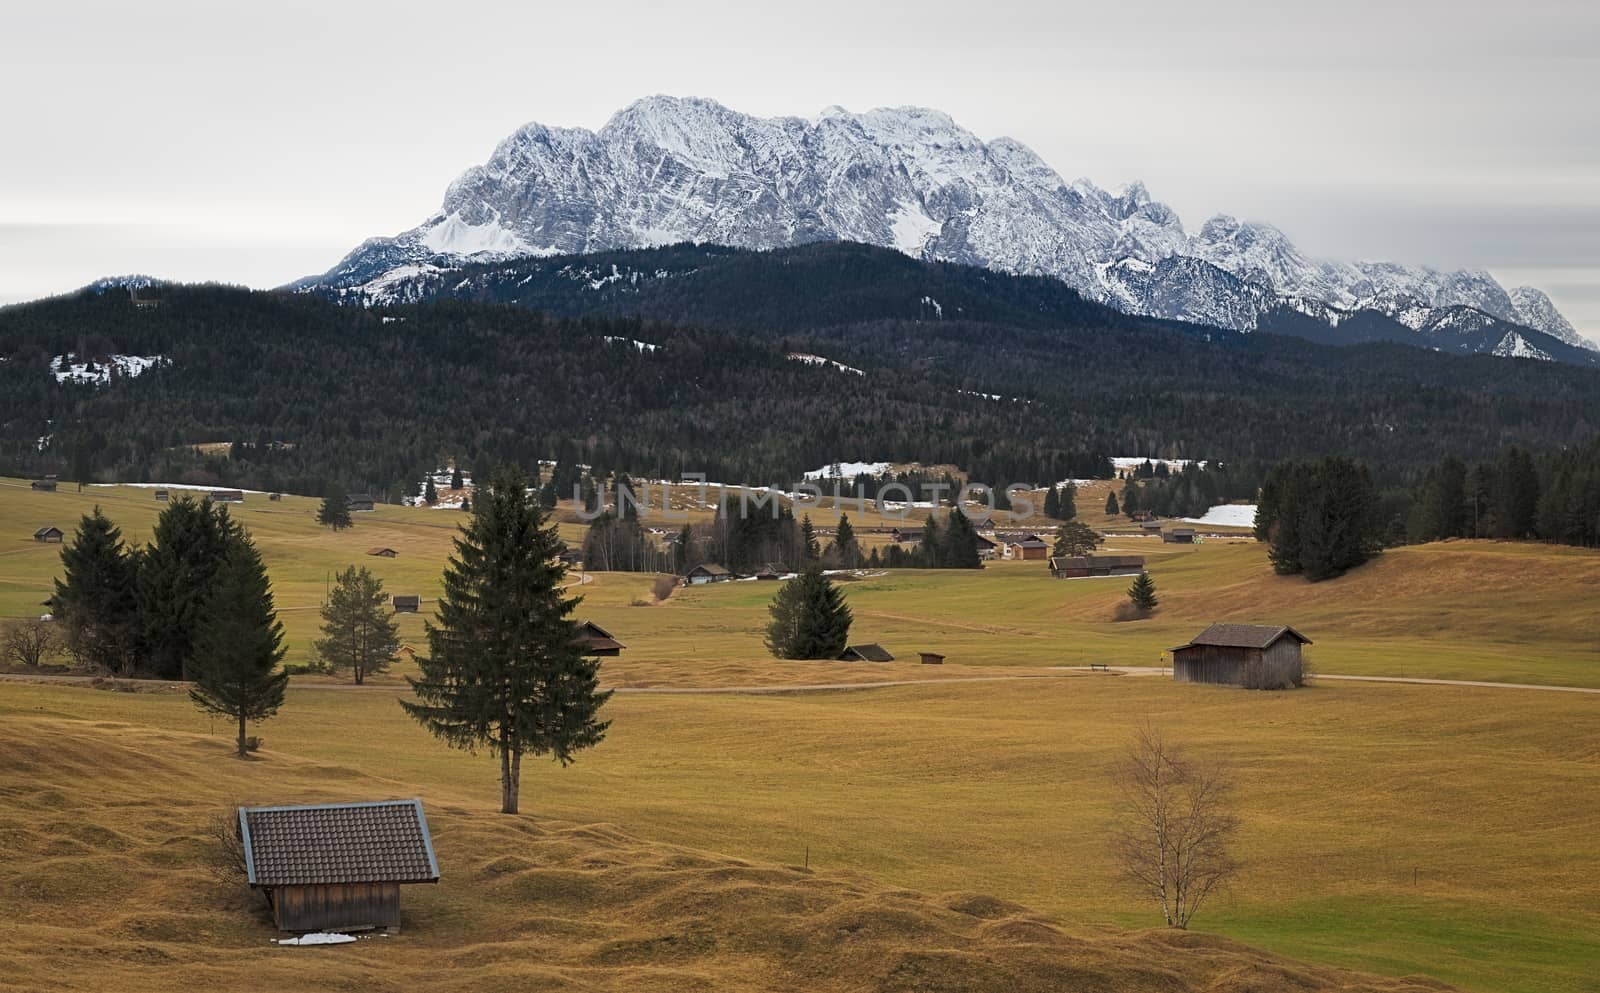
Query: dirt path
[877, 685]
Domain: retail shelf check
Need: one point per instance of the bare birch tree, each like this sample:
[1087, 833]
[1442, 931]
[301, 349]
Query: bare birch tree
[1175, 825]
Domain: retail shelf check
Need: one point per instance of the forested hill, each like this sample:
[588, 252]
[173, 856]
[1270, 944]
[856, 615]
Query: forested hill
[314, 392]
[827, 284]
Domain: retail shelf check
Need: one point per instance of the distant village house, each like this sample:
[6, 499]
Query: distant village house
[708, 573]
[47, 485]
[226, 496]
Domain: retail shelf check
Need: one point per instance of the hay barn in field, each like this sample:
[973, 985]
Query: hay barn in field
[1084, 566]
[361, 502]
[46, 485]
[866, 653]
[48, 533]
[1254, 656]
[710, 572]
[1178, 536]
[596, 640]
[406, 603]
[226, 496]
[337, 866]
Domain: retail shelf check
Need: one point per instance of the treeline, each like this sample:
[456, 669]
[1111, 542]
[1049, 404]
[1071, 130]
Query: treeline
[301, 395]
[1551, 498]
[1190, 491]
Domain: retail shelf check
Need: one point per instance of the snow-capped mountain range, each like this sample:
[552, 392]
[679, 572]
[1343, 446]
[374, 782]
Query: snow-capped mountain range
[666, 170]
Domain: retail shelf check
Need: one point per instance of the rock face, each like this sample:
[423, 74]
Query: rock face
[666, 170]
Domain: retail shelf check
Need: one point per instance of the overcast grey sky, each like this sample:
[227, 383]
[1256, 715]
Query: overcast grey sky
[210, 141]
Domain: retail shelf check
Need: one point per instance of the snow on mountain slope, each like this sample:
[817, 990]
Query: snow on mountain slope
[667, 169]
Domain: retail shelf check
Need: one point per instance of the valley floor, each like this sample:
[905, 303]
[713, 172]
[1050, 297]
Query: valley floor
[1397, 828]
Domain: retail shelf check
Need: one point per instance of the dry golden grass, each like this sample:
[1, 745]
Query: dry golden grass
[106, 827]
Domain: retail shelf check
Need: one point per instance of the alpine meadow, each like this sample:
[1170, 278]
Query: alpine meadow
[722, 550]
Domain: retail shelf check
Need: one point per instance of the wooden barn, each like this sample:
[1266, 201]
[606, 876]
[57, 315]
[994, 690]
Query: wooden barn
[1255, 656]
[866, 653]
[1084, 566]
[406, 603]
[383, 553]
[226, 496]
[49, 533]
[337, 866]
[361, 502]
[596, 640]
[709, 572]
[47, 485]
[1178, 536]
[986, 548]
[1150, 527]
[162, 496]
[930, 658]
[1030, 549]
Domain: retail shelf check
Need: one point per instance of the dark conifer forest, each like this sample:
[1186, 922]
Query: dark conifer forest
[1009, 379]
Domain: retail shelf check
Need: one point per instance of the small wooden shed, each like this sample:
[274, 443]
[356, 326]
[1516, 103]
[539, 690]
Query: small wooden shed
[1030, 549]
[47, 485]
[361, 502]
[1083, 566]
[385, 552]
[1178, 536]
[406, 603]
[872, 652]
[930, 658]
[337, 866]
[709, 572]
[1255, 656]
[162, 496]
[226, 496]
[48, 533]
[596, 640]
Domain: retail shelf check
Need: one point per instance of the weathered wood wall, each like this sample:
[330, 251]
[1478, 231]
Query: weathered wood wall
[336, 907]
[1276, 668]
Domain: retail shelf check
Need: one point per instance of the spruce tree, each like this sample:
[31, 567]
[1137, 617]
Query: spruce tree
[358, 627]
[1111, 504]
[1052, 504]
[813, 548]
[187, 548]
[810, 619]
[1130, 498]
[456, 482]
[844, 544]
[335, 510]
[239, 642]
[1143, 593]
[96, 598]
[1067, 503]
[430, 494]
[504, 670]
[959, 543]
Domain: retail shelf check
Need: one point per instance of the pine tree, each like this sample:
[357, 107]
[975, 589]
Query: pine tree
[1052, 504]
[359, 631]
[335, 510]
[810, 619]
[813, 548]
[1111, 504]
[959, 543]
[96, 597]
[430, 494]
[239, 642]
[456, 481]
[504, 669]
[844, 544]
[188, 547]
[1130, 498]
[1067, 504]
[1143, 593]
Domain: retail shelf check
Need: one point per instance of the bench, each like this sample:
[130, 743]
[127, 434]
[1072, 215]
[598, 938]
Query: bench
[1102, 666]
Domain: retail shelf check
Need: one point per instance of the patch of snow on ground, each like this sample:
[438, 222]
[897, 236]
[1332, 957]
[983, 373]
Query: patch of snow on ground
[67, 370]
[318, 938]
[810, 359]
[848, 470]
[181, 486]
[1135, 461]
[928, 301]
[1231, 515]
[643, 346]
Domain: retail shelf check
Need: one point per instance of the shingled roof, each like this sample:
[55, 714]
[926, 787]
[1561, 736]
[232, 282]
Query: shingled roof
[384, 841]
[1244, 636]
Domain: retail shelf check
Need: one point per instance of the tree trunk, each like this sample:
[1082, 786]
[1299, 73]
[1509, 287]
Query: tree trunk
[510, 768]
[242, 753]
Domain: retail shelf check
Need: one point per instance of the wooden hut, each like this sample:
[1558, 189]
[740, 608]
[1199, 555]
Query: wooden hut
[1030, 549]
[384, 552]
[1255, 656]
[866, 653]
[708, 572]
[46, 485]
[49, 533]
[1178, 536]
[162, 496]
[930, 658]
[361, 503]
[337, 866]
[226, 496]
[406, 603]
[1084, 566]
[596, 640]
